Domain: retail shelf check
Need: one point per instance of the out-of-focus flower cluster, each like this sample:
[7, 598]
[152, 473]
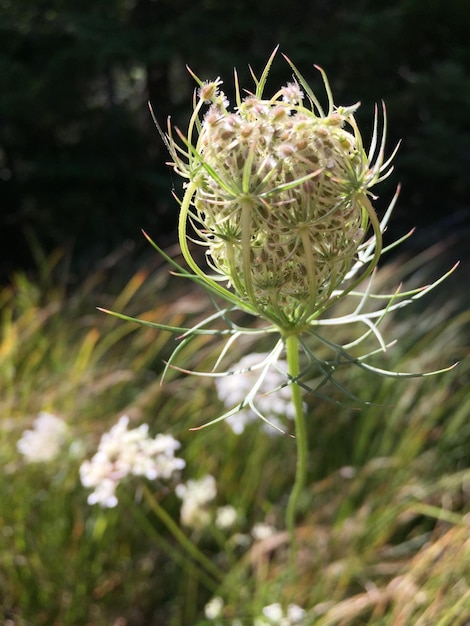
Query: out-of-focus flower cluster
[195, 496]
[196, 513]
[273, 400]
[262, 531]
[45, 440]
[123, 453]
[272, 615]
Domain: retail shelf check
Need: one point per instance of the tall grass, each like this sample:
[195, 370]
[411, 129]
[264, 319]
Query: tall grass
[384, 534]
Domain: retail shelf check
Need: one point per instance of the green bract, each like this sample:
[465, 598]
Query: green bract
[279, 194]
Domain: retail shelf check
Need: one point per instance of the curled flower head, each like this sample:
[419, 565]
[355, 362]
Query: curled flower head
[279, 194]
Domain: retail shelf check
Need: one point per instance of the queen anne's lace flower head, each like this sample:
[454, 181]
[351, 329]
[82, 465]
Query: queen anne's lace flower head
[279, 190]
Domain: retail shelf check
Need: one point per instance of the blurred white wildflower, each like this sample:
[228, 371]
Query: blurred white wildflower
[213, 608]
[274, 615]
[225, 517]
[195, 496]
[124, 452]
[295, 614]
[262, 531]
[273, 400]
[44, 442]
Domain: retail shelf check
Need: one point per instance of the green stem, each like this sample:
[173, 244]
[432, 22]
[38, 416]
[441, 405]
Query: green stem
[179, 535]
[292, 350]
[175, 552]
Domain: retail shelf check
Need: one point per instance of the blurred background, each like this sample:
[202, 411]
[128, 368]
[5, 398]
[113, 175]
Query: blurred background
[82, 166]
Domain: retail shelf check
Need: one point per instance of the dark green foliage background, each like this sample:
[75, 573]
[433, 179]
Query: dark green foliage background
[82, 166]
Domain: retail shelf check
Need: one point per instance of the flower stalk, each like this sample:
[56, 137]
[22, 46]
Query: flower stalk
[293, 352]
[187, 545]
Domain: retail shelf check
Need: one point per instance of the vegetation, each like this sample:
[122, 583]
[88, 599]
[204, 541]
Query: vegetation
[383, 531]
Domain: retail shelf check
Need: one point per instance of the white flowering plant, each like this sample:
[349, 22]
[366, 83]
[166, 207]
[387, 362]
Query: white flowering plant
[123, 452]
[278, 192]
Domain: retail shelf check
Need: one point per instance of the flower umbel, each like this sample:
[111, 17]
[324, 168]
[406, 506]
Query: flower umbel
[279, 194]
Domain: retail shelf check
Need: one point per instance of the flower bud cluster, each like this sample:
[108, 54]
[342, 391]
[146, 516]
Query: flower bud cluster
[279, 197]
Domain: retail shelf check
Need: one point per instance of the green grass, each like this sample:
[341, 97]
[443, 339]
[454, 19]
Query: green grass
[384, 531]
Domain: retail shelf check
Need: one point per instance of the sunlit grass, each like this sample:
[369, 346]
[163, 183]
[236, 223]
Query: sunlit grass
[384, 528]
